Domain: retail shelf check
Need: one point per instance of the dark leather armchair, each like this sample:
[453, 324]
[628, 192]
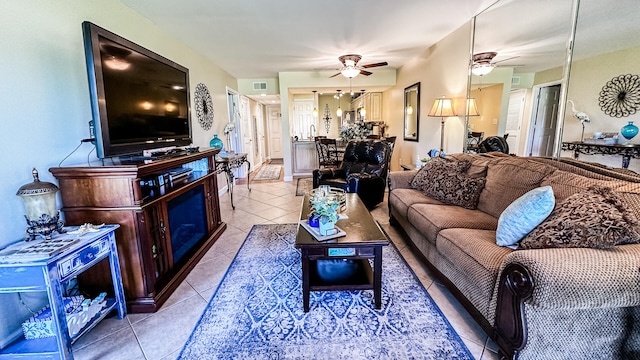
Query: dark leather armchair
[494, 143]
[363, 171]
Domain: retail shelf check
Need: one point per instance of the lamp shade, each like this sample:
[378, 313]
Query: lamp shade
[472, 109]
[442, 107]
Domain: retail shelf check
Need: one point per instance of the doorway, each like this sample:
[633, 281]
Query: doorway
[544, 120]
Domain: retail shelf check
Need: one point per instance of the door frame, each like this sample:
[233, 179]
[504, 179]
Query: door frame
[534, 109]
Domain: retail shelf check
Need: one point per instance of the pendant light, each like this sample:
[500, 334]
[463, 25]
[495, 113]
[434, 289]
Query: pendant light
[339, 110]
[315, 108]
[361, 110]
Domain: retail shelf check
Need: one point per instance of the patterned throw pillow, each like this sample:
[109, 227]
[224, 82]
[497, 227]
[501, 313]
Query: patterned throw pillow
[524, 214]
[447, 181]
[595, 218]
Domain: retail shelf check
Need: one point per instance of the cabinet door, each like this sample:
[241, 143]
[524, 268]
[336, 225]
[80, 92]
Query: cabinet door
[376, 107]
[156, 258]
[213, 204]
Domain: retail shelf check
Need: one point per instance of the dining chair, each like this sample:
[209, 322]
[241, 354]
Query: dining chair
[327, 152]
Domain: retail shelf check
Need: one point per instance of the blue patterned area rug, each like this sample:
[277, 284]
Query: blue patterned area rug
[256, 312]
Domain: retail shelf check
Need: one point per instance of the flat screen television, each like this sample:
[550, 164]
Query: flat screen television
[139, 99]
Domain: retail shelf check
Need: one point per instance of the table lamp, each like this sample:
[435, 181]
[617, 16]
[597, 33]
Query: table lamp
[442, 107]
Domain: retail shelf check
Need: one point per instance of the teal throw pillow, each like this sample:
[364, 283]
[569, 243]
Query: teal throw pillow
[524, 214]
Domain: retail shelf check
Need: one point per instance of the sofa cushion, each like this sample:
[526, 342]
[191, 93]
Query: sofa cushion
[507, 180]
[448, 182]
[524, 214]
[430, 219]
[596, 218]
[402, 199]
[474, 262]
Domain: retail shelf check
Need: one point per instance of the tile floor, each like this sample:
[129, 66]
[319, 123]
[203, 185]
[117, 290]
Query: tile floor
[161, 335]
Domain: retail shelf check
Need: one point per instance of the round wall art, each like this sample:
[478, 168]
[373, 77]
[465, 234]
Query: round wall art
[620, 96]
[204, 106]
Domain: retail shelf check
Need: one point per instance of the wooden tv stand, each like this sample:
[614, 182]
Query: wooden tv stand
[120, 194]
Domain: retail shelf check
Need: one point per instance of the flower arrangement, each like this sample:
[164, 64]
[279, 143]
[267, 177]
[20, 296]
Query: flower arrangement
[325, 207]
[353, 131]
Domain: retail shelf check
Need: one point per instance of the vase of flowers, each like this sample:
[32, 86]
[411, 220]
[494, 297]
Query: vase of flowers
[325, 208]
[354, 131]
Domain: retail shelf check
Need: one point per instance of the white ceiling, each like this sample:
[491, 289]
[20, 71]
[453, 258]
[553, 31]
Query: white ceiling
[259, 39]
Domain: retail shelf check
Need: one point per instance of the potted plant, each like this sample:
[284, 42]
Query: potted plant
[325, 210]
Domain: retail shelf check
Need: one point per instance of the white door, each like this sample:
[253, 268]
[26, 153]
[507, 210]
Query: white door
[274, 127]
[235, 137]
[544, 121]
[304, 125]
[246, 130]
[258, 134]
[515, 114]
[233, 104]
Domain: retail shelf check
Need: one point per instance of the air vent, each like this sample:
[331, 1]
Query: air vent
[259, 86]
[515, 80]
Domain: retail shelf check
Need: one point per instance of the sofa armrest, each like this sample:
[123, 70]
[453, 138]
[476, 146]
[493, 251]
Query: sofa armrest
[401, 179]
[576, 278]
[583, 278]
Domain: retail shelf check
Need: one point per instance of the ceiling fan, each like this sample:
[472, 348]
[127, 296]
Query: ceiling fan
[483, 64]
[350, 68]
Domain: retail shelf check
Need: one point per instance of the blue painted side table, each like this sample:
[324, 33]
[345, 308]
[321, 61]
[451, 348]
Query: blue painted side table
[45, 266]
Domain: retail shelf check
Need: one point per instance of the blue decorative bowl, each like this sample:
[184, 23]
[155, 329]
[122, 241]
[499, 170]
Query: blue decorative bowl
[629, 131]
[314, 221]
[216, 143]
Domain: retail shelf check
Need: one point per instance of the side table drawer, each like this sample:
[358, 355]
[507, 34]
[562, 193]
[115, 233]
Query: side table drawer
[84, 257]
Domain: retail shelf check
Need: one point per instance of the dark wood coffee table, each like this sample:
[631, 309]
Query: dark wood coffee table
[364, 241]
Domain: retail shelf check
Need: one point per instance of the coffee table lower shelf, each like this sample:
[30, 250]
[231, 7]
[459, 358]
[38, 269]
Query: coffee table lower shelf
[360, 279]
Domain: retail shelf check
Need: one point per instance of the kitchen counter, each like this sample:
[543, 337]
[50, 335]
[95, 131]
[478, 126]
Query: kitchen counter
[304, 158]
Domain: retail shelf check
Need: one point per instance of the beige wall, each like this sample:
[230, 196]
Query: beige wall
[489, 103]
[45, 99]
[441, 70]
[586, 80]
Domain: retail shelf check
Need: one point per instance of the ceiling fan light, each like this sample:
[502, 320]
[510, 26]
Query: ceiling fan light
[481, 69]
[350, 72]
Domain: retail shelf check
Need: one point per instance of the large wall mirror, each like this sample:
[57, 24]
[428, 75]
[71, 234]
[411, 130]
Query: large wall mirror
[519, 53]
[412, 112]
[606, 46]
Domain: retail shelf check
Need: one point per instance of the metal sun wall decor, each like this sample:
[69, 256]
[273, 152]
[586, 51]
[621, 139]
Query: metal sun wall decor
[204, 106]
[620, 96]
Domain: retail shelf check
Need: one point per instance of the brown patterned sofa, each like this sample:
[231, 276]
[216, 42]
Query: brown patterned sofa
[548, 303]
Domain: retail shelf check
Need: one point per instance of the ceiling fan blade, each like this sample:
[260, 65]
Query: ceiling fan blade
[507, 59]
[365, 72]
[384, 63]
[334, 75]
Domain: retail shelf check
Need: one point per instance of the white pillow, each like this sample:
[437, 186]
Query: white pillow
[524, 214]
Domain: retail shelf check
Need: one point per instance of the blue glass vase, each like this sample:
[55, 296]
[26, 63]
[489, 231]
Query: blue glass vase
[216, 143]
[629, 131]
